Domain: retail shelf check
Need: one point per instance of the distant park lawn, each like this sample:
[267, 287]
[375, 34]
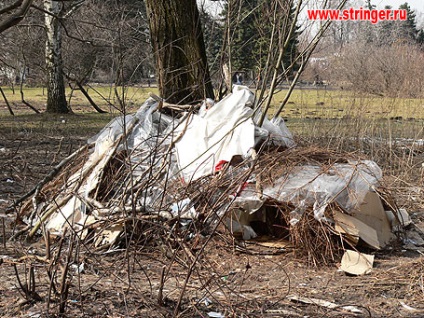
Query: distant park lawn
[315, 116]
[331, 104]
[305, 103]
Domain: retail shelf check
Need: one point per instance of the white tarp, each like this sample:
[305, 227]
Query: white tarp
[226, 130]
[350, 185]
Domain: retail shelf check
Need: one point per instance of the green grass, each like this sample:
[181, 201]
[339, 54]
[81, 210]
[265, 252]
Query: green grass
[84, 122]
[104, 96]
[311, 113]
[325, 103]
[303, 104]
[75, 125]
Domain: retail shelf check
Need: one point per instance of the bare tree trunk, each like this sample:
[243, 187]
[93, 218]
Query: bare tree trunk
[56, 98]
[177, 40]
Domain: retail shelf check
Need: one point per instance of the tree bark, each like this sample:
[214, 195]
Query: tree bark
[56, 97]
[177, 40]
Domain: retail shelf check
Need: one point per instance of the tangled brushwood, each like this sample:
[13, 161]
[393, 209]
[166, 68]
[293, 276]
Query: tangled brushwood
[185, 178]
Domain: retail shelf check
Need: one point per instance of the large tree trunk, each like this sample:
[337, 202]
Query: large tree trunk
[177, 40]
[56, 98]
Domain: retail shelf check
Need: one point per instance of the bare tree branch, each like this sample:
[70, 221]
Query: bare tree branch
[7, 102]
[18, 16]
[13, 6]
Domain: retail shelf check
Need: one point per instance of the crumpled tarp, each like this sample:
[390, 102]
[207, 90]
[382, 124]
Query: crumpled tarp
[345, 184]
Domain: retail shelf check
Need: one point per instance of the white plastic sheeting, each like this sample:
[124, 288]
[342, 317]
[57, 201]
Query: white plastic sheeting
[225, 130]
[315, 186]
[275, 130]
[145, 132]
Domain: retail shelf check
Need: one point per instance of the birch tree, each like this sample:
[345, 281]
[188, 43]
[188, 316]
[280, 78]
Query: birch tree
[56, 96]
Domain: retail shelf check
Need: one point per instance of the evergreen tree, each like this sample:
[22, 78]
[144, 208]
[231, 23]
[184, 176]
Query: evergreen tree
[213, 36]
[292, 48]
[369, 28]
[386, 31]
[245, 38]
[369, 5]
[408, 29]
[420, 37]
[251, 30]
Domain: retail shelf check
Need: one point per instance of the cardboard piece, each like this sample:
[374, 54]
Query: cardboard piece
[371, 212]
[355, 229]
[404, 217]
[110, 235]
[355, 263]
[401, 220]
[369, 223]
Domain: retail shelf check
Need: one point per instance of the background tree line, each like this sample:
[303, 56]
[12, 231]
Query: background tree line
[70, 43]
[386, 59]
[81, 41]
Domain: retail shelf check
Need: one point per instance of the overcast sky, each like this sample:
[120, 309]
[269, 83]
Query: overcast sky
[417, 5]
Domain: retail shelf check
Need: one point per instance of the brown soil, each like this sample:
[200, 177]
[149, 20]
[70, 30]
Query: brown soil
[226, 278]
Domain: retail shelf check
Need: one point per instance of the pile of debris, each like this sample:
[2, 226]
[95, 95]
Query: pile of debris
[215, 168]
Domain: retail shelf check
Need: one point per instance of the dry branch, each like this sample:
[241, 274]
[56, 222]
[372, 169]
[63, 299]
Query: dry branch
[16, 17]
[50, 176]
[7, 102]
[88, 97]
[24, 101]
[164, 104]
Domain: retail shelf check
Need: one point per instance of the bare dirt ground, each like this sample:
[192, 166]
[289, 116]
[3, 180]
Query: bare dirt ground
[145, 280]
